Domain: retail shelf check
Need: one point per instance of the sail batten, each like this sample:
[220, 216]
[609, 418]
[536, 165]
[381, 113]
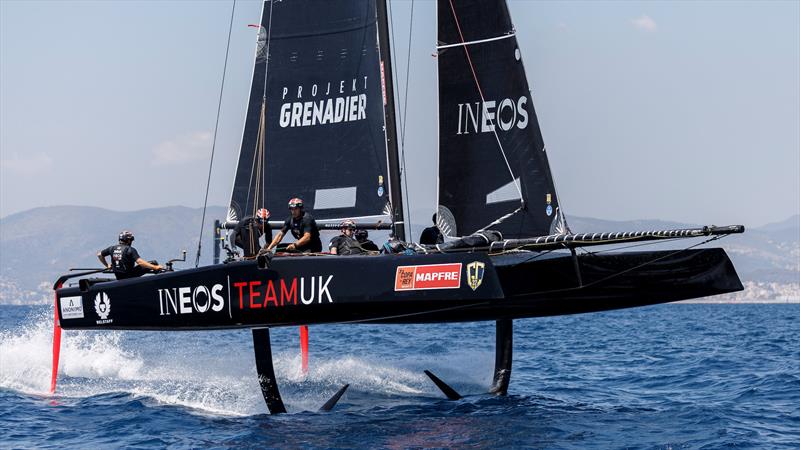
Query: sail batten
[493, 167]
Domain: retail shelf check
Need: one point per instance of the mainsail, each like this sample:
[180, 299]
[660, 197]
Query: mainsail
[315, 125]
[493, 168]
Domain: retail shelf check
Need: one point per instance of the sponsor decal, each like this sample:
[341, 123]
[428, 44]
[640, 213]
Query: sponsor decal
[380, 191]
[189, 300]
[475, 271]
[485, 117]
[549, 210]
[102, 306]
[428, 276]
[71, 308]
[264, 294]
[324, 103]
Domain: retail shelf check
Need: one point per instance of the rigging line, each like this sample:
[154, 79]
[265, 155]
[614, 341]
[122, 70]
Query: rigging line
[479, 41]
[214, 141]
[483, 99]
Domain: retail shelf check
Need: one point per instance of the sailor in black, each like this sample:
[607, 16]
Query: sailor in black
[248, 232]
[431, 235]
[125, 260]
[346, 243]
[303, 228]
[362, 236]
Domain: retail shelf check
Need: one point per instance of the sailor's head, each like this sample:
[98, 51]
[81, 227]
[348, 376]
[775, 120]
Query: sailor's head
[348, 227]
[296, 207]
[362, 235]
[262, 216]
[126, 237]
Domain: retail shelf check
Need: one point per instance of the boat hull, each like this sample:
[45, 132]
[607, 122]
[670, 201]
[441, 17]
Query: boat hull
[308, 290]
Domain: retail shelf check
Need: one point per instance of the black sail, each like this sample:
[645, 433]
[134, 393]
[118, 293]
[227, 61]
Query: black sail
[493, 168]
[315, 120]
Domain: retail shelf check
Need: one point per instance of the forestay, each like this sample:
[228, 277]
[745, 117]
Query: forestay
[493, 168]
[315, 120]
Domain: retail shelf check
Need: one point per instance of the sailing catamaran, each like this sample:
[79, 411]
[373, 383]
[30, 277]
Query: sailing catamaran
[322, 94]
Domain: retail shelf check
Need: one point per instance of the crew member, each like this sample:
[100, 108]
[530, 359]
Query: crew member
[125, 260]
[248, 232]
[431, 235]
[303, 227]
[346, 243]
[362, 236]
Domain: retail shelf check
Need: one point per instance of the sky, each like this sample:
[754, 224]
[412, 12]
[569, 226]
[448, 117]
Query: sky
[682, 111]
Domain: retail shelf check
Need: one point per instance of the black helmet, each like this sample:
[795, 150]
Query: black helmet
[126, 236]
[361, 235]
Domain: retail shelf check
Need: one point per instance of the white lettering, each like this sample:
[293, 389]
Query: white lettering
[203, 290]
[522, 112]
[285, 115]
[185, 295]
[487, 118]
[323, 289]
[302, 291]
[285, 91]
[219, 301]
[307, 113]
[507, 103]
[297, 111]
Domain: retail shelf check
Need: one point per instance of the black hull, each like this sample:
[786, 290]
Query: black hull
[460, 287]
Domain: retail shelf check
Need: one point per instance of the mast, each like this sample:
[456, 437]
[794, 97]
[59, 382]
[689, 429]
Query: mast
[395, 194]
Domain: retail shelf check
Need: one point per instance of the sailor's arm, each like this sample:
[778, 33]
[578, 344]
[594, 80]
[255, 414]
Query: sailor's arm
[147, 265]
[276, 240]
[103, 260]
[301, 242]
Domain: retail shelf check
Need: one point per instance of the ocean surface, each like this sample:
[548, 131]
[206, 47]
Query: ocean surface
[667, 376]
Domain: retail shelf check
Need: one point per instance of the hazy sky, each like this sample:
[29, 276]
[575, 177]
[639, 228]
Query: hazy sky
[687, 111]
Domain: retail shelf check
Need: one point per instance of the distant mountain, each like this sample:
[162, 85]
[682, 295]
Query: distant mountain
[39, 244]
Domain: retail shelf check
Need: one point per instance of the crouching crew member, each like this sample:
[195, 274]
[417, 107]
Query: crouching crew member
[249, 230]
[362, 236]
[346, 243]
[303, 228]
[431, 235]
[125, 260]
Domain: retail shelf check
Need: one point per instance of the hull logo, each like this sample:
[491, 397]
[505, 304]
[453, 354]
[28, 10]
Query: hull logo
[102, 306]
[429, 276]
[475, 271]
[72, 308]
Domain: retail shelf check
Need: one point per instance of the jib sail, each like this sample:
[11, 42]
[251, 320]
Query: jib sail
[493, 168]
[315, 120]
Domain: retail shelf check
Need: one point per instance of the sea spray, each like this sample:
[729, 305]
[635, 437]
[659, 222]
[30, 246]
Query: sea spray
[214, 372]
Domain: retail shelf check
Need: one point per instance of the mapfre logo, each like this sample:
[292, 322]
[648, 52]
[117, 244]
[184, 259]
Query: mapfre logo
[102, 306]
[429, 276]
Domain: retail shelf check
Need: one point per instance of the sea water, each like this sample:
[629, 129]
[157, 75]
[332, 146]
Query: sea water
[667, 376]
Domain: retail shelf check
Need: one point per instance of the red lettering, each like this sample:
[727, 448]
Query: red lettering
[254, 294]
[241, 286]
[290, 295]
[270, 295]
